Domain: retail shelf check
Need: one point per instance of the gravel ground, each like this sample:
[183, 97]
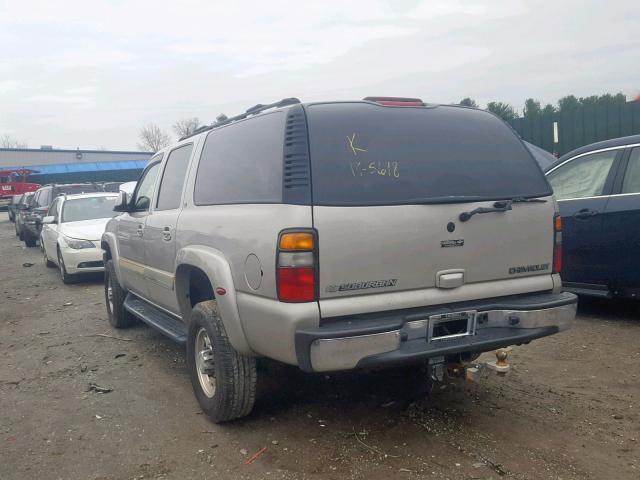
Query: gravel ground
[567, 410]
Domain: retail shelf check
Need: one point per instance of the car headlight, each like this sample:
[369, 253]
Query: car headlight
[78, 244]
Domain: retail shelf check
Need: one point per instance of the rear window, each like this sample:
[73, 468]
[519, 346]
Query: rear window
[71, 189]
[364, 154]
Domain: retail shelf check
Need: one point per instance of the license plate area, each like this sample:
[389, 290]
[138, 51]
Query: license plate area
[451, 325]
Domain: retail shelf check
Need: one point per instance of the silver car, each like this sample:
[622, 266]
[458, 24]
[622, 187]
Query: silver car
[336, 236]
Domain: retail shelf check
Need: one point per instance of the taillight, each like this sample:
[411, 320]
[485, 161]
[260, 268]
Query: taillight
[296, 266]
[557, 243]
[396, 101]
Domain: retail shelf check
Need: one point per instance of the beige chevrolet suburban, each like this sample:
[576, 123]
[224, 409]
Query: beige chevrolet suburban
[337, 236]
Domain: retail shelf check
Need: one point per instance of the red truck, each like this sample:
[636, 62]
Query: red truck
[14, 182]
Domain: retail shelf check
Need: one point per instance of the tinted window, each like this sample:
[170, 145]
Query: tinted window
[111, 187]
[47, 197]
[144, 193]
[242, 162]
[631, 182]
[363, 154]
[40, 199]
[170, 190]
[583, 177]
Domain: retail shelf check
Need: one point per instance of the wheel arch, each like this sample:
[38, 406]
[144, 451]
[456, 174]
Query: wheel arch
[109, 246]
[200, 271]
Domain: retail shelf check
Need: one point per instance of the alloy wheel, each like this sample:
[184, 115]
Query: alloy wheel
[205, 364]
[109, 293]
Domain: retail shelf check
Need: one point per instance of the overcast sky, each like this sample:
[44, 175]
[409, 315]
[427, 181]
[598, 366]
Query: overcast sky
[91, 73]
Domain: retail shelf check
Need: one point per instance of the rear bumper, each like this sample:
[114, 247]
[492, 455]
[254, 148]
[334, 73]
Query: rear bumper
[398, 337]
[30, 227]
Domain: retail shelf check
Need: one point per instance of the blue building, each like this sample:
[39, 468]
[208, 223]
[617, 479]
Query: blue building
[66, 166]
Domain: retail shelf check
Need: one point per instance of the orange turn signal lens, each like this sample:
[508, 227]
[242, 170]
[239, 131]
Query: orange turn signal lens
[296, 241]
[557, 223]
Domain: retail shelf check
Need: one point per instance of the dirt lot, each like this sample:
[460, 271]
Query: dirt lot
[568, 409]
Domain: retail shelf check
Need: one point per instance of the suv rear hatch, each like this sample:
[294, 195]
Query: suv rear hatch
[389, 185]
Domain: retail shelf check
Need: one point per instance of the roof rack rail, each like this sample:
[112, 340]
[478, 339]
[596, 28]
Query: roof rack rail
[259, 108]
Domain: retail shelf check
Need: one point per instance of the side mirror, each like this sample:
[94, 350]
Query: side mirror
[49, 219]
[122, 204]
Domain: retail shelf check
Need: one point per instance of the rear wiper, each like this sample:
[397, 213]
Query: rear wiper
[524, 200]
[501, 206]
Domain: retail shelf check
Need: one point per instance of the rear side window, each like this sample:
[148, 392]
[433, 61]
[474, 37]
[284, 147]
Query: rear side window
[364, 154]
[242, 162]
[172, 181]
[631, 182]
[583, 177]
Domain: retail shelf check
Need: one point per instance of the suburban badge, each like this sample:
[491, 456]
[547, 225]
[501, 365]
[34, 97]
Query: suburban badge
[343, 287]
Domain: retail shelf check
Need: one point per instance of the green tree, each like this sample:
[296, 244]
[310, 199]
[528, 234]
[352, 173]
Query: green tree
[469, 102]
[502, 110]
[570, 102]
[531, 108]
[548, 109]
[619, 98]
[590, 101]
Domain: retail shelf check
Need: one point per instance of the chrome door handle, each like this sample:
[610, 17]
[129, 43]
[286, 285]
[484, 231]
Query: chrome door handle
[166, 234]
[140, 230]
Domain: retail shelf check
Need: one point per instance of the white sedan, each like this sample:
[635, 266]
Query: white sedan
[71, 233]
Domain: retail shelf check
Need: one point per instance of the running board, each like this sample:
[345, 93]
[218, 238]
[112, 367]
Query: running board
[168, 325]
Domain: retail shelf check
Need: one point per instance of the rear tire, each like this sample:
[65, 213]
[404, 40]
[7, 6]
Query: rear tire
[224, 381]
[29, 240]
[114, 296]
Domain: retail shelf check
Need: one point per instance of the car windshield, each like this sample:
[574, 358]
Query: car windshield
[89, 208]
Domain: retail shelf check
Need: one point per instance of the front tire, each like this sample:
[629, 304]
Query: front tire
[224, 381]
[114, 296]
[67, 278]
[47, 262]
